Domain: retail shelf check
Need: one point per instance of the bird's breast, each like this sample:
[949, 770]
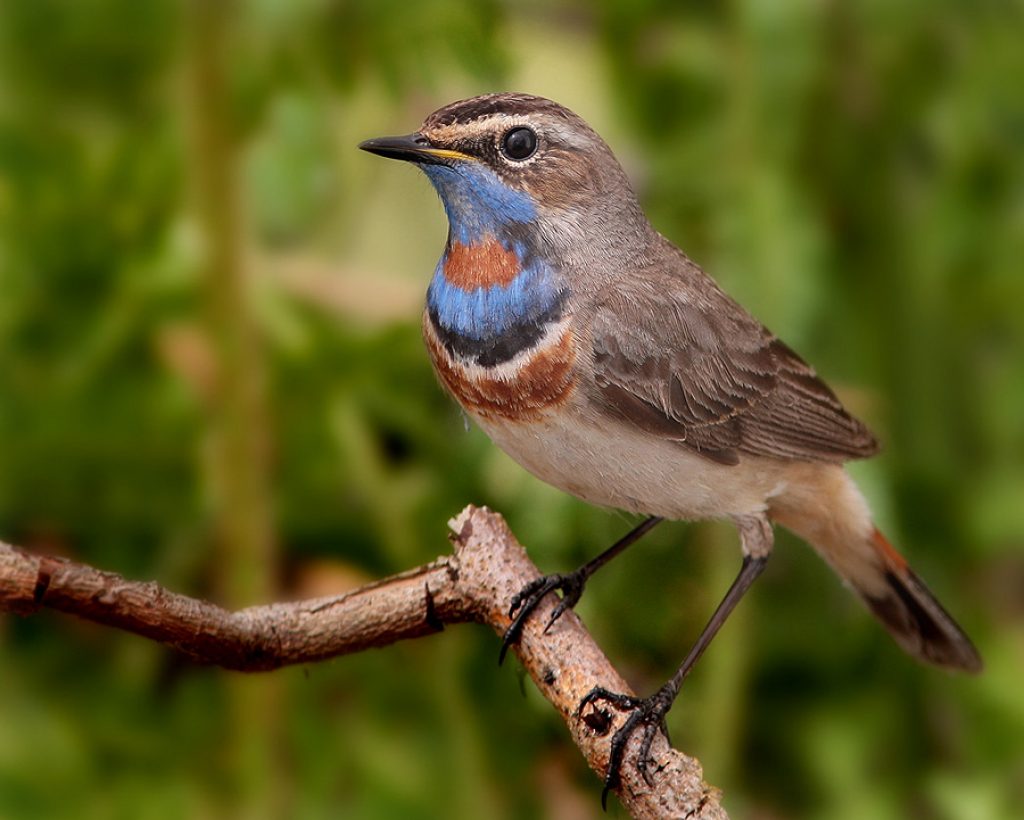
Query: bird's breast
[499, 329]
[491, 299]
[536, 381]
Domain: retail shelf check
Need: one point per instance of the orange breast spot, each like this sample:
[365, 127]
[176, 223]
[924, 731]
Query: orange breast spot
[521, 390]
[480, 265]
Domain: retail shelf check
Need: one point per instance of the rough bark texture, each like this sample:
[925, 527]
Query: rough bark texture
[474, 584]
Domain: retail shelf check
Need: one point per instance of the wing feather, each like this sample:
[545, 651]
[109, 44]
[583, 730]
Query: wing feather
[704, 373]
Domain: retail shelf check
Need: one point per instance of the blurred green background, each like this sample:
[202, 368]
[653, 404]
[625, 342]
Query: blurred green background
[211, 375]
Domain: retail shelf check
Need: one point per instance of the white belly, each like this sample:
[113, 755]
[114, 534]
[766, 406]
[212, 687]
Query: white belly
[614, 465]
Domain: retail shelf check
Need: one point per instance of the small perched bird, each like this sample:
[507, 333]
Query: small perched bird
[607, 363]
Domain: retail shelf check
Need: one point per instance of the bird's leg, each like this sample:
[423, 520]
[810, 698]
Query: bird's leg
[756, 537]
[569, 584]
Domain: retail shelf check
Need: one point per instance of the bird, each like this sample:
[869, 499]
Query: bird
[608, 364]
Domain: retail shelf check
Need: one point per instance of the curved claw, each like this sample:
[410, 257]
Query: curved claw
[571, 586]
[529, 592]
[558, 612]
[529, 597]
[613, 777]
[647, 712]
[617, 699]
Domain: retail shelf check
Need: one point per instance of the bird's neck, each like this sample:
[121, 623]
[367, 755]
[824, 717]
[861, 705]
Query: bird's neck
[478, 203]
[493, 293]
[491, 298]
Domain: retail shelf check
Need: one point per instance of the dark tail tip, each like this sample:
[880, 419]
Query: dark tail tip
[919, 623]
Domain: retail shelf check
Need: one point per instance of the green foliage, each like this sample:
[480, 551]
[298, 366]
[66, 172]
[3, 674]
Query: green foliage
[852, 172]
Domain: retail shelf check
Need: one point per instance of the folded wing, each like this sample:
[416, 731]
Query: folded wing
[699, 370]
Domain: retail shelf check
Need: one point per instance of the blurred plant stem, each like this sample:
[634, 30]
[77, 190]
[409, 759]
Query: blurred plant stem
[237, 458]
[725, 686]
[724, 695]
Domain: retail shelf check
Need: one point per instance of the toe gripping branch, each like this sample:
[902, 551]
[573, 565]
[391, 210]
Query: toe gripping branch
[647, 712]
[570, 584]
[650, 712]
[527, 599]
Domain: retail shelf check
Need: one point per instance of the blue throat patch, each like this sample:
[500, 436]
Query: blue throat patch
[490, 324]
[477, 202]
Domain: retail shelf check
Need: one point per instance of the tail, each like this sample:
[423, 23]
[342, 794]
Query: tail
[914, 617]
[831, 515]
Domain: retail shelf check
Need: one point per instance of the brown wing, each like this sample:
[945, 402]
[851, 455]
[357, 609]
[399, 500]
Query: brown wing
[696, 368]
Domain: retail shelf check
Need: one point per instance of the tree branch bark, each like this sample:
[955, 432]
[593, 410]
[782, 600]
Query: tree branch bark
[474, 584]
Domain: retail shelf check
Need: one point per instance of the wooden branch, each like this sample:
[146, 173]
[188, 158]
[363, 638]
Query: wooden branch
[474, 584]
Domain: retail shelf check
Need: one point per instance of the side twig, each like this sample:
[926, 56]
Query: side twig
[474, 584]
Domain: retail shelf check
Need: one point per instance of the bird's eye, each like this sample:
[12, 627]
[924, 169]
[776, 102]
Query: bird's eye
[519, 143]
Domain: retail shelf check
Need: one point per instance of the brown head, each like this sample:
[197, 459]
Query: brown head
[516, 162]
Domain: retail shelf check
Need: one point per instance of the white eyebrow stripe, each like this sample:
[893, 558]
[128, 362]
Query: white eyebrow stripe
[551, 128]
[467, 130]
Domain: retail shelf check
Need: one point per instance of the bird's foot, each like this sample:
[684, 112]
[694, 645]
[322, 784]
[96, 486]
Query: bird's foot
[648, 713]
[526, 600]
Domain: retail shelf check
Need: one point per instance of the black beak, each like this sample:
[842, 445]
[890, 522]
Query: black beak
[412, 148]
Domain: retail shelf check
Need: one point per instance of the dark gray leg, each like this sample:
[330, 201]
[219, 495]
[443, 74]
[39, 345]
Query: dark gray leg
[757, 538]
[569, 584]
